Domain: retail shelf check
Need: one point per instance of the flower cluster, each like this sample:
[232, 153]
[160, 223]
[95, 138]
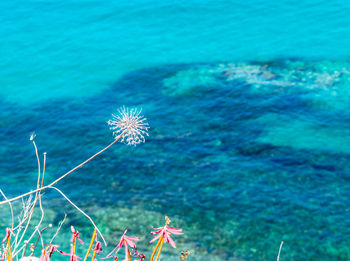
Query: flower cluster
[128, 242]
[163, 236]
[129, 126]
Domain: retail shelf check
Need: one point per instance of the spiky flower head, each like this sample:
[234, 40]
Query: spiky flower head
[130, 125]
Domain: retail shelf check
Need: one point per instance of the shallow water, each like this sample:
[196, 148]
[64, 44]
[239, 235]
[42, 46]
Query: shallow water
[248, 107]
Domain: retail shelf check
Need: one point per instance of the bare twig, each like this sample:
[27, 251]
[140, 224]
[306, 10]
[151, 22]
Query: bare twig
[41, 220]
[37, 197]
[44, 167]
[279, 252]
[12, 216]
[58, 228]
[38, 159]
[64, 175]
[23, 234]
[86, 215]
[40, 204]
[25, 248]
[26, 207]
[40, 237]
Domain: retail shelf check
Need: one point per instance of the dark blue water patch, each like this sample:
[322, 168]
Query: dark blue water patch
[203, 162]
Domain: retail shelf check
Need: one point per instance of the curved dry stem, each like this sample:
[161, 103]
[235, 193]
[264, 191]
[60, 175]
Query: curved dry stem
[40, 237]
[37, 197]
[81, 211]
[27, 206]
[44, 167]
[64, 175]
[11, 209]
[25, 248]
[40, 203]
[279, 252]
[23, 234]
[41, 220]
[58, 228]
[37, 158]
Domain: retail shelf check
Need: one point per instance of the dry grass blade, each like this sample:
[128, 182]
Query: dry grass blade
[279, 252]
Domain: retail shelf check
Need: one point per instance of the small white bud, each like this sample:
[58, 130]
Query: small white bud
[32, 136]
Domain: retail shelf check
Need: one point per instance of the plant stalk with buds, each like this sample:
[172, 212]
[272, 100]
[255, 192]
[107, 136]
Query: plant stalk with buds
[164, 236]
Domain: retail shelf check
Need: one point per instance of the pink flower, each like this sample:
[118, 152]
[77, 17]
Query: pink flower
[44, 256]
[73, 256]
[126, 241]
[53, 248]
[75, 235]
[47, 252]
[8, 234]
[97, 250]
[137, 254]
[98, 247]
[165, 232]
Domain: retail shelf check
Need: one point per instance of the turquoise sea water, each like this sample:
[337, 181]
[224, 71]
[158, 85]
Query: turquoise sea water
[248, 105]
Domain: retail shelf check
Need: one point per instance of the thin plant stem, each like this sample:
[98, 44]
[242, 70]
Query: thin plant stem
[160, 249]
[155, 248]
[44, 167]
[8, 257]
[64, 175]
[93, 255]
[11, 209]
[40, 203]
[59, 227]
[27, 205]
[91, 244]
[9, 247]
[30, 238]
[25, 248]
[127, 253]
[37, 157]
[40, 237]
[41, 220]
[74, 245]
[81, 211]
[42, 182]
[279, 252]
[29, 217]
[37, 197]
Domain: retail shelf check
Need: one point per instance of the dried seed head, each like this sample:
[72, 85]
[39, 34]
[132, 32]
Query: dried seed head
[184, 255]
[130, 125]
[32, 136]
[167, 220]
